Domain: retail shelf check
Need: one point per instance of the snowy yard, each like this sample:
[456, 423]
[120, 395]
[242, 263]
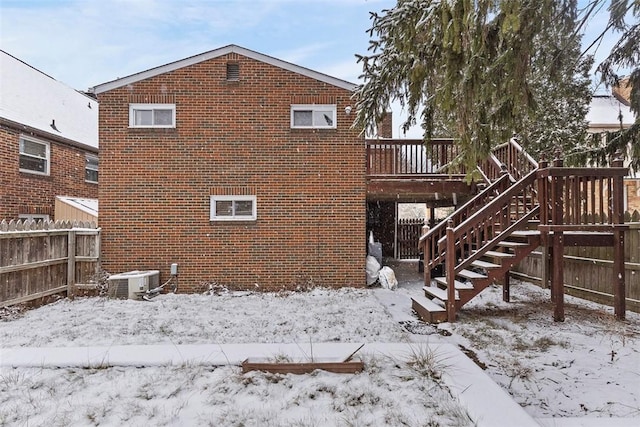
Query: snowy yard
[588, 366]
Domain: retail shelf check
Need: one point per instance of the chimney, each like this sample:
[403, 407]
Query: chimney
[385, 126]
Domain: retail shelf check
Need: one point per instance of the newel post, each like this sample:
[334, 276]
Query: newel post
[426, 256]
[450, 265]
[617, 209]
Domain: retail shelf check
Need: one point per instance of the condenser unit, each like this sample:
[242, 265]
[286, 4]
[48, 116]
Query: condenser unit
[133, 284]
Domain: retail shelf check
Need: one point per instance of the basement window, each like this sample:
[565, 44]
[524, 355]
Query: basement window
[34, 156]
[233, 71]
[33, 217]
[313, 116]
[233, 208]
[152, 115]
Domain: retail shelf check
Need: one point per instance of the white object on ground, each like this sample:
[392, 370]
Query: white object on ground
[372, 268]
[387, 278]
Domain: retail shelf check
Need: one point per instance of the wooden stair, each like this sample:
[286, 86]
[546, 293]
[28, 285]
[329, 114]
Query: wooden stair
[523, 206]
[482, 242]
[493, 265]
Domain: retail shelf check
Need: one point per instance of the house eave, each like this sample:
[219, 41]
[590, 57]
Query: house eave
[22, 128]
[216, 53]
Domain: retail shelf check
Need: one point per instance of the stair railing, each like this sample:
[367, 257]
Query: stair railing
[473, 237]
[434, 253]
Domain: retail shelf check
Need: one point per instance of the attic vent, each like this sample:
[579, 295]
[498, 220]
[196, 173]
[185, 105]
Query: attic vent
[233, 71]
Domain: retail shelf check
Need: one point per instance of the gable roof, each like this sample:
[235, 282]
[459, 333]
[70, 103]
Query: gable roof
[606, 110]
[104, 87]
[30, 98]
[89, 206]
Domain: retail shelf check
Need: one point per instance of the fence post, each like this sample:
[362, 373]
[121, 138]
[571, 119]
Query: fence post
[71, 263]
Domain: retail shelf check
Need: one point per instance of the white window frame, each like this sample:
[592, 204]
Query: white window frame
[34, 217]
[47, 159]
[135, 107]
[315, 108]
[86, 168]
[233, 217]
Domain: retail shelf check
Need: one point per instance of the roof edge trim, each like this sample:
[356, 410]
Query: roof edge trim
[153, 72]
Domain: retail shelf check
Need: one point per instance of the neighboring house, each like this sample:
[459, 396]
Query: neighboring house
[609, 113]
[76, 209]
[241, 168]
[48, 142]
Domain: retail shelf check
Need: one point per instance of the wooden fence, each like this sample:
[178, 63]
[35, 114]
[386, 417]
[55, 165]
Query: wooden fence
[46, 258]
[408, 235]
[588, 270]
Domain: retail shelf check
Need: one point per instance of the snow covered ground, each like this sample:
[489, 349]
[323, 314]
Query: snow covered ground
[586, 369]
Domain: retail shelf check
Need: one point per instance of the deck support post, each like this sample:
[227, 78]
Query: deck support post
[557, 282]
[557, 256]
[617, 207]
[506, 290]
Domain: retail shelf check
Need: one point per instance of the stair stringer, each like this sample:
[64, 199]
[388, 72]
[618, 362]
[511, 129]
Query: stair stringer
[493, 274]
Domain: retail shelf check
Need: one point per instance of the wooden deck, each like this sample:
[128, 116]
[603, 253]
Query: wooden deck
[410, 171]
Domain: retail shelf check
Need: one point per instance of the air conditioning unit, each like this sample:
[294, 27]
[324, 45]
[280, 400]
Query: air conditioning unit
[133, 284]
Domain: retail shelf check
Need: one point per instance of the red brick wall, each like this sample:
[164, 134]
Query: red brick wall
[632, 189]
[26, 193]
[310, 184]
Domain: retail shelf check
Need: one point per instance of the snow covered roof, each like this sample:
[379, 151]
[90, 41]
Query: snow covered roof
[604, 111]
[104, 87]
[31, 98]
[89, 206]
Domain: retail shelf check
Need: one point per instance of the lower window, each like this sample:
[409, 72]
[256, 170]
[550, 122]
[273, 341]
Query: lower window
[34, 217]
[233, 208]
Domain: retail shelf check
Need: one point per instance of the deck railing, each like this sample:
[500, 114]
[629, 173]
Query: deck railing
[403, 157]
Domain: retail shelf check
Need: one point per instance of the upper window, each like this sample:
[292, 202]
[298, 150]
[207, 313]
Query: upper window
[91, 168]
[233, 208]
[313, 116]
[152, 115]
[34, 156]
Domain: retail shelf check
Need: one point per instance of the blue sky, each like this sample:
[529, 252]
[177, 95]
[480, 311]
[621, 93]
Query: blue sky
[87, 42]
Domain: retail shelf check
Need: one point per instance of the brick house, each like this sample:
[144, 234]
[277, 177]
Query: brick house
[609, 113]
[48, 142]
[241, 168]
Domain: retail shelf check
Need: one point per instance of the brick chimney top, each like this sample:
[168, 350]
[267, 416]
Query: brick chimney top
[385, 126]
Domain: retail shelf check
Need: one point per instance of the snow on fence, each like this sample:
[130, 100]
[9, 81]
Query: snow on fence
[38, 259]
[588, 270]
